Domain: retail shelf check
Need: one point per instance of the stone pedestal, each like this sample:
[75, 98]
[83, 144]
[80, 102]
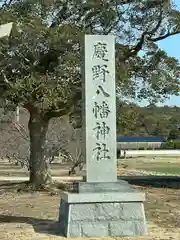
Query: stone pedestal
[101, 214]
[101, 187]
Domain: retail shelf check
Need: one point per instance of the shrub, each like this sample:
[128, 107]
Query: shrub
[176, 144]
[171, 145]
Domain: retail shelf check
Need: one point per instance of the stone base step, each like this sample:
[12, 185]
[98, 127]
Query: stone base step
[102, 215]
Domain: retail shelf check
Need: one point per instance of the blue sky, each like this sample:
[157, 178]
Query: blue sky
[172, 47]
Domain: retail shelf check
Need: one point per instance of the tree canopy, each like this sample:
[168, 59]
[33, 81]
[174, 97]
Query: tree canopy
[41, 62]
[151, 120]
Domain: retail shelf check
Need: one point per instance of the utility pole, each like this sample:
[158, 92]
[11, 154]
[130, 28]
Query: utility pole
[17, 114]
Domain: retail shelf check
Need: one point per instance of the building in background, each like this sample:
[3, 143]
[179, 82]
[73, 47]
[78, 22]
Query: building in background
[139, 142]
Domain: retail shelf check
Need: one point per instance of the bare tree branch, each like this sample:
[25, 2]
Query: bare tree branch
[56, 113]
[116, 21]
[21, 130]
[5, 78]
[144, 35]
[163, 36]
[7, 3]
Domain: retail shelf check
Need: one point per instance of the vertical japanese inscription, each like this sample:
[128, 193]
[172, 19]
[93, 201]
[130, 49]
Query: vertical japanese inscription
[100, 74]
[100, 109]
[100, 51]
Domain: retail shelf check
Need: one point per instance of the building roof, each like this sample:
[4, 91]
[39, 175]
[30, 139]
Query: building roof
[140, 139]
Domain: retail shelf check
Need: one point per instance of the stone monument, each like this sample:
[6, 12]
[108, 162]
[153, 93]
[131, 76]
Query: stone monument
[5, 29]
[101, 205]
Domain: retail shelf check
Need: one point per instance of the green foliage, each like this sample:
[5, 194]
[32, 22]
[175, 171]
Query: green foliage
[41, 61]
[147, 121]
[174, 133]
[158, 131]
[176, 144]
[171, 145]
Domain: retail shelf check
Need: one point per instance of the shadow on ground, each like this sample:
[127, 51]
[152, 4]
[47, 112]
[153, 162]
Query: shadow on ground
[172, 182]
[11, 186]
[153, 181]
[16, 186]
[40, 225]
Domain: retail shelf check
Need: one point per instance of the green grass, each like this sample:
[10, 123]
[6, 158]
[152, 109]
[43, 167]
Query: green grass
[164, 169]
[167, 167]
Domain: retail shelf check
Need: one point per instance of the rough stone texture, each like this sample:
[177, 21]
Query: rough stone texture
[104, 197]
[87, 187]
[64, 216]
[106, 211]
[94, 229]
[127, 228]
[102, 218]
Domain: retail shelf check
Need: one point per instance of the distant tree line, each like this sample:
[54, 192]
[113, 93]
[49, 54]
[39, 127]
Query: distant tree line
[151, 120]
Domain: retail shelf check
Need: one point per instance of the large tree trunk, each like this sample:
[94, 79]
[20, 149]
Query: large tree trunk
[39, 171]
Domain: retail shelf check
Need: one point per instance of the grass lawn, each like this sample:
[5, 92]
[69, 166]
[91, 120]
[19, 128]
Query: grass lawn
[165, 169]
[170, 166]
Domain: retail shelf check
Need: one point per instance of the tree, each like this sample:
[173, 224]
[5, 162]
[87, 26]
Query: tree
[40, 64]
[159, 130]
[142, 121]
[174, 134]
[127, 119]
[62, 140]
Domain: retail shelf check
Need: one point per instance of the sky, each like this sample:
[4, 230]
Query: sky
[172, 46]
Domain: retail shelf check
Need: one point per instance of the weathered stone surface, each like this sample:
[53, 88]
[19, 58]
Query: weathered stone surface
[127, 228]
[133, 196]
[133, 210]
[100, 164]
[106, 211]
[102, 218]
[87, 187]
[122, 228]
[123, 211]
[141, 227]
[74, 230]
[94, 229]
[83, 212]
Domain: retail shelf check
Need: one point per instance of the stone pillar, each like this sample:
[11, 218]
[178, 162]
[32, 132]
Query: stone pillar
[101, 205]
